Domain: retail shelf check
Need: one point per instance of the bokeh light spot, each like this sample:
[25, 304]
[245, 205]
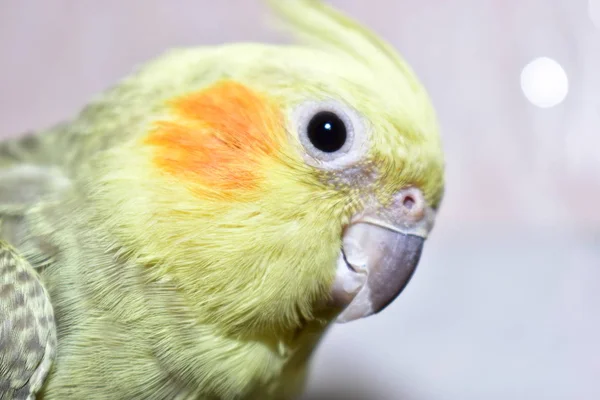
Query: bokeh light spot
[544, 82]
[594, 10]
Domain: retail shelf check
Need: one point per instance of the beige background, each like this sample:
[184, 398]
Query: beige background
[504, 305]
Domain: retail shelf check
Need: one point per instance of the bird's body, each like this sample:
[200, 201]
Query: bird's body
[187, 233]
[105, 301]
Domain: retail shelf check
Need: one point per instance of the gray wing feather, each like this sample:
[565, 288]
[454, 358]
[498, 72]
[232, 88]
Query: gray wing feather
[27, 328]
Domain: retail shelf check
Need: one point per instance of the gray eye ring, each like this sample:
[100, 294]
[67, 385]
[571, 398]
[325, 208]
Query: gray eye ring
[354, 144]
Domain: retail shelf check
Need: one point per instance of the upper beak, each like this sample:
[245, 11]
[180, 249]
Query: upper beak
[380, 253]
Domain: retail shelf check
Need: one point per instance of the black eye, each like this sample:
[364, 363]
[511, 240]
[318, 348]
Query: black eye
[327, 132]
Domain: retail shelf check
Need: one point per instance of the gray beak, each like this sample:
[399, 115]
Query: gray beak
[378, 259]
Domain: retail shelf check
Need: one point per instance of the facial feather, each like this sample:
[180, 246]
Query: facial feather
[219, 137]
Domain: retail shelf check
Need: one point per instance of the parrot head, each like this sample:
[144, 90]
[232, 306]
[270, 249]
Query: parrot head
[274, 184]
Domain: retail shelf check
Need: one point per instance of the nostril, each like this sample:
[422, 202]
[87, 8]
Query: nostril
[409, 202]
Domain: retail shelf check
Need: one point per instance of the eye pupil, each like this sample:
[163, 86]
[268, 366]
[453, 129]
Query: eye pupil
[327, 132]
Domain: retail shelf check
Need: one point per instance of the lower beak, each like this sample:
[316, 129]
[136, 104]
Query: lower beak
[375, 265]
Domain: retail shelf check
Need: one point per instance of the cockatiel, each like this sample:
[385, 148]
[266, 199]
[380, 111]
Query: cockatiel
[195, 230]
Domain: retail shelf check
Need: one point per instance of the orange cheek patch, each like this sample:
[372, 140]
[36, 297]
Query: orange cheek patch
[219, 136]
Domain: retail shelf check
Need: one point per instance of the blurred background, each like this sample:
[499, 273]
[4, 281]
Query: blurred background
[506, 301]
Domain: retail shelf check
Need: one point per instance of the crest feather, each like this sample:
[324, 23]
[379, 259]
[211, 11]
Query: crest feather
[321, 25]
